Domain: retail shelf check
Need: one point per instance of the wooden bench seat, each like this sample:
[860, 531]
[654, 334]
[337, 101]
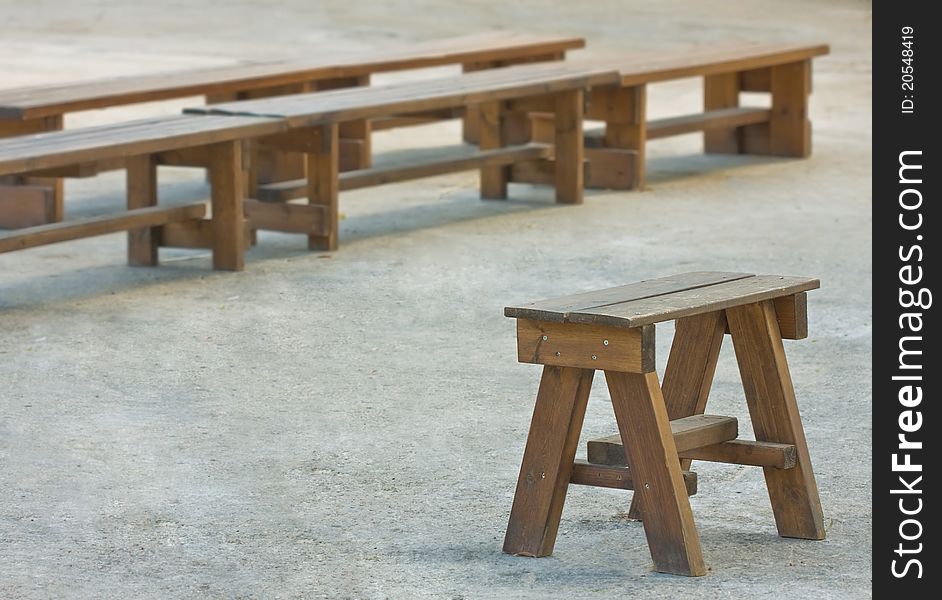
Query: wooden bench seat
[661, 426]
[616, 152]
[305, 124]
[41, 108]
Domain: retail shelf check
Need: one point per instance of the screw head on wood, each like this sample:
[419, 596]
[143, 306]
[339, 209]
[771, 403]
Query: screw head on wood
[545, 337]
[605, 342]
[647, 486]
[594, 357]
[557, 353]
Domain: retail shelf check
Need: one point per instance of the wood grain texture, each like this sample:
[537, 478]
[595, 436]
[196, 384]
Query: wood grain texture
[775, 417]
[142, 193]
[52, 233]
[24, 205]
[585, 346]
[218, 82]
[747, 452]
[616, 477]
[689, 433]
[308, 219]
[559, 309]
[721, 92]
[570, 178]
[323, 168]
[227, 183]
[548, 461]
[790, 128]
[193, 234]
[649, 444]
[491, 132]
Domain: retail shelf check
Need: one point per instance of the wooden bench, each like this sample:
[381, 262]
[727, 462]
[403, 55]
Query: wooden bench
[661, 429]
[23, 111]
[306, 124]
[313, 120]
[616, 152]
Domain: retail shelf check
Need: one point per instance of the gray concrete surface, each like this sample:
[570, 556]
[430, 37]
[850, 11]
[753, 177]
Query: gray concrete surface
[351, 425]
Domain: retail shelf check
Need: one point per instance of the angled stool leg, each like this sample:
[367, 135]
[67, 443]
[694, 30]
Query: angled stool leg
[774, 411]
[649, 447]
[688, 376]
[547, 460]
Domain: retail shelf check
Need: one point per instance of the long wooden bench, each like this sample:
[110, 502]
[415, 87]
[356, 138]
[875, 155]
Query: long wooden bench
[661, 426]
[616, 152]
[35, 200]
[306, 124]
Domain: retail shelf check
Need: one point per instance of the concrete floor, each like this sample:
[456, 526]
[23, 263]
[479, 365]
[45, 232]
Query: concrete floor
[351, 425]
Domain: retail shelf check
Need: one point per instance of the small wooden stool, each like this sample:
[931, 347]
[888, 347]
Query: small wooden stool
[613, 330]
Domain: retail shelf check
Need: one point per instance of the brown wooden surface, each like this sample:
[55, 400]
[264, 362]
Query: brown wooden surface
[491, 132]
[41, 235]
[144, 136]
[570, 177]
[790, 129]
[694, 301]
[193, 234]
[418, 96]
[746, 452]
[26, 205]
[142, 192]
[548, 461]
[689, 433]
[588, 347]
[775, 418]
[22, 103]
[624, 111]
[721, 92]
[406, 166]
[792, 315]
[559, 309]
[228, 192]
[323, 187]
[646, 434]
[616, 477]
[289, 218]
[710, 122]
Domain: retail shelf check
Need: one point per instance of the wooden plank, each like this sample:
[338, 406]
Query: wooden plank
[623, 109]
[289, 218]
[323, 188]
[57, 99]
[792, 315]
[491, 133]
[541, 172]
[52, 233]
[724, 118]
[589, 347]
[721, 92]
[193, 234]
[689, 432]
[645, 430]
[570, 157]
[228, 192]
[790, 128]
[775, 418]
[92, 169]
[756, 80]
[547, 462]
[746, 452]
[695, 301]
[397, 169]
[612, 168]
[24, 205]
[650, 67]
[558, 309]
[133, 138]
[142, 193]
[619, 478]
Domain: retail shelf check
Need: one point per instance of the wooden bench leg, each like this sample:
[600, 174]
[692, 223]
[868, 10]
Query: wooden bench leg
[323, 186]
[570, 150]
[226, 179]
[547, 461]
[721, 91]
[624, 111]
[789, 127]
[688, 376]
[29, 201]
[775, 418]
[652, 455]
[142, 192]
[492, 131]
[355, 136]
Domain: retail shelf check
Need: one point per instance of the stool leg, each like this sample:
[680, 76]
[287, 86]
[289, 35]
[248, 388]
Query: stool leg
[775, 418]
[142, 192]
[689, 373]
[547, 461]
[650, 450]
[226, 178]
